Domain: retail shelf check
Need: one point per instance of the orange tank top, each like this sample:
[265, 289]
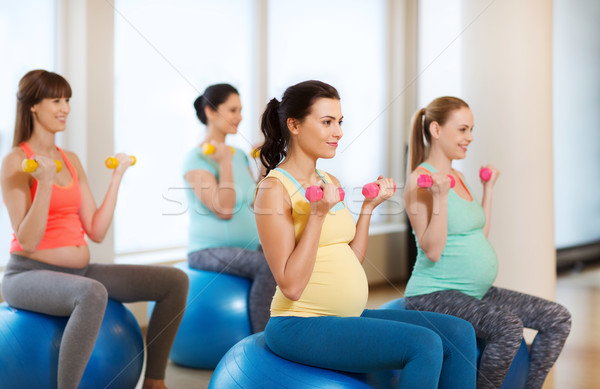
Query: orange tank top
[64, 226]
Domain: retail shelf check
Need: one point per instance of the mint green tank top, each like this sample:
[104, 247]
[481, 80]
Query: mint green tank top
[468, 263]
[206, 229]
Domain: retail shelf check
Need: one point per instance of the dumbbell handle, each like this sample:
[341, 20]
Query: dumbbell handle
[371, 190]
[485, 174]
[315, 193]
[425, 181]
[209, 148]
[31, 165]
[112, 162]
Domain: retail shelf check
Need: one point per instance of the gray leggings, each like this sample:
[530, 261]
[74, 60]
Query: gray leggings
[243, 263]
[82, 294]
[499, 318]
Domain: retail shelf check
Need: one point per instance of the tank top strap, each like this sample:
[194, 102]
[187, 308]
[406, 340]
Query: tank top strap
[427, 167]
[291, 185]
[27, 149]
[69, 164]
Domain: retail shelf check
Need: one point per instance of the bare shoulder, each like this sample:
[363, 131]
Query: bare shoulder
[73, 157]
[270, 187]
[12, 161]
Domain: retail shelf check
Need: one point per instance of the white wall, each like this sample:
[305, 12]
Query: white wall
[507, 72]
[576, 117]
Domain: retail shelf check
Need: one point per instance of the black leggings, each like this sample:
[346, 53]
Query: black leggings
[499, 318]
[82, 295]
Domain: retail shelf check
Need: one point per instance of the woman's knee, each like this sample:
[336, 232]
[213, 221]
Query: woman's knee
[504, 327]
[178, 281]
[456, 330]
[428, 344]
[93, 292]
[559, 320]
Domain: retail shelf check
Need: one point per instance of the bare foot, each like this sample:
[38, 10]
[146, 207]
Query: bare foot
[151, 383]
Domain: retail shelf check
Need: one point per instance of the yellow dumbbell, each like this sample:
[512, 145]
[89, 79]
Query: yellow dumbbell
[30, 165]
[112, 162]
[255, 153]
[208, 149]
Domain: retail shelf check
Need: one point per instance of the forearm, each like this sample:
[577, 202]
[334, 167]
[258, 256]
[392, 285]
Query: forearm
[300, 264]
[103, 216]
[361, 238]
[486, 204]
[433, 239]
[33, 226]
[225, 193]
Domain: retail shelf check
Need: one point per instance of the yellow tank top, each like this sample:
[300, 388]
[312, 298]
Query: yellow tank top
[338, 284]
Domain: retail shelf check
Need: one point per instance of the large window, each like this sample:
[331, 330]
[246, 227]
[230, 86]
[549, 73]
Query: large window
[343, 43]
[166, 53]
[35, 48]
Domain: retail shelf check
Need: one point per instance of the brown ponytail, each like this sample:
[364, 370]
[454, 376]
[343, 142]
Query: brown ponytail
[420, 138]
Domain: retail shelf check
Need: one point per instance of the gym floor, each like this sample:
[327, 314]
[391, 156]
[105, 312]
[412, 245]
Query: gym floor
[576, 368]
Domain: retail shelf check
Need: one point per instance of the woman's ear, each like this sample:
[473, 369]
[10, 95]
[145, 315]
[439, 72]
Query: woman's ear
[293, 125]
[209, 112]
[434, 130]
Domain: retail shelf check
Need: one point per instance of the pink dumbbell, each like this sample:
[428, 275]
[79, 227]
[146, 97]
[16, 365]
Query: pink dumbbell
[485, 174]
[425, 181]
[315, 193]
[371, 190]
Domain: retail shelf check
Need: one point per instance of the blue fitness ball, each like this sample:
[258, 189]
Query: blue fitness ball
[29, 344]
[250, 364]
[215, 319]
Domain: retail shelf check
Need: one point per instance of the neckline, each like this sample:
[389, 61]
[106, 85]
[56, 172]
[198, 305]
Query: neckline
[30, 153]
[296, 183]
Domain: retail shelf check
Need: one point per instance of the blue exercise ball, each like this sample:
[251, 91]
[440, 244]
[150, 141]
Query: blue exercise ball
[215, 319]
[30, 341]
[516, 378]
[251, 364]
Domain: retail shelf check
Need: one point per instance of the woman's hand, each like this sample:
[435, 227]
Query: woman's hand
[331, 196]
[489, 184]
[223, 153]
[124, 162]
[441, 184]
[46, 169]
[387, 188]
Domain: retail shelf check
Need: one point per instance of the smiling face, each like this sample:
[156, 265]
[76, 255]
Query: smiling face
[51, 114]
[320, 131]
[456, 134]
[228, 115]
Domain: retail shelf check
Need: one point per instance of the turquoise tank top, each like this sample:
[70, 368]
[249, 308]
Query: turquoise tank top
[206, 230]
[468, 263]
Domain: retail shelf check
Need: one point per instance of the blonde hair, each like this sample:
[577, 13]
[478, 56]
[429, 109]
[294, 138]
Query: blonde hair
[420, 138]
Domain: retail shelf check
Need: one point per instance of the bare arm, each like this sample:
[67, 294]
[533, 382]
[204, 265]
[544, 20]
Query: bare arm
[28, 218]
[361, 238]
[291, 264]
[218, 197]
[486, 200]
[97, 220]
[428, 213]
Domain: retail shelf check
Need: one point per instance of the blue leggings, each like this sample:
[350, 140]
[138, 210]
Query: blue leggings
[432, 349]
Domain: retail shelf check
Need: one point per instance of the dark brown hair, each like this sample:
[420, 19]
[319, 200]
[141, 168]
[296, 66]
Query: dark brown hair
[296, 103]
[35, 86]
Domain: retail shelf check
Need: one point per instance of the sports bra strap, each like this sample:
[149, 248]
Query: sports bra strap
[25, 147]
[424, 168]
